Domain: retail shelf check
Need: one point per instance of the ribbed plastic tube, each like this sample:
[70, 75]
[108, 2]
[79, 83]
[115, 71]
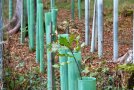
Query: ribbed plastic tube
[72, 8]
[79, 9]
[49, 62]
[87, 83]
[54, 13]
[31, 24]
[64, 65]
[73, 72]
[37, 31]
[52, 4]
[63, 35]
[63, 70]
[41, 38]
[10, 9]
[23, 21]
[38, 1]
[47, 25]
[37, 36]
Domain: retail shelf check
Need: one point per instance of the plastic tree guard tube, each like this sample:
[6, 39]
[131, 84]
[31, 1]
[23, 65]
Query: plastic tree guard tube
[54, 13]
[37, 35]
[72, 9]
[37, 32]
[63, 35]
[47, 25]
[23, 21]
[87, 83]
[41, 38]
[79, 9]
[63, 66]
[73, 72]
[31, 24]
[52, 4]
[28, 13]
[38, 1]
[50, 75]
[63, 70]
[54, 22]
[10, 9]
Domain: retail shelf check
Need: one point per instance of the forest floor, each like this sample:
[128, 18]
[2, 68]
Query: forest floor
[21, 68]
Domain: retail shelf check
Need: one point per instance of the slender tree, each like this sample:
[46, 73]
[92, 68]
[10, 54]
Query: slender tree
[87, 28]
[94, 28]
[15, 22]
[100, 27]
[115, 31]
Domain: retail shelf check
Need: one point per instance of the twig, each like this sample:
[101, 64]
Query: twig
[79, 69]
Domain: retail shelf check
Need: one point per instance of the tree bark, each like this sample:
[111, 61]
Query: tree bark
[14, 25]
[127, 58]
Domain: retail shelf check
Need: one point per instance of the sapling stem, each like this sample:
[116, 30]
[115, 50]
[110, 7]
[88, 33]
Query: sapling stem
[76, 63]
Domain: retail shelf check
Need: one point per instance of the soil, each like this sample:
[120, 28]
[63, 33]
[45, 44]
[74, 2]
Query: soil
[16, 53]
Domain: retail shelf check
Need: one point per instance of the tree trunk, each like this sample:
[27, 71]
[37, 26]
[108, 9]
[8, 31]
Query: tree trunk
[14, 25]
[127, 58]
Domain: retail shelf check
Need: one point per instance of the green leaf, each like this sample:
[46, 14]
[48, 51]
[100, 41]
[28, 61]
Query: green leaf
[77, 49]
[56, 66]
[62, 55]
[64, 42]
[71, 39]
[21, 78]
[127, 67]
